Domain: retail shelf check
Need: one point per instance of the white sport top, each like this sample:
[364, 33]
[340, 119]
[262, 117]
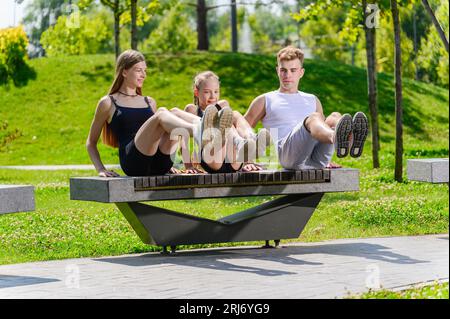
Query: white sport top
[285, 111]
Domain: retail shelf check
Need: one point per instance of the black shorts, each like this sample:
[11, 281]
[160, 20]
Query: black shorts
[134, 163]
[225, 168]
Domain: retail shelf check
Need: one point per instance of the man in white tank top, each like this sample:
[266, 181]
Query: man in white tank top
[304, 137]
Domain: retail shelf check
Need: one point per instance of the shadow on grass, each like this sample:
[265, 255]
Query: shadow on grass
[104, 71]
[20, 74]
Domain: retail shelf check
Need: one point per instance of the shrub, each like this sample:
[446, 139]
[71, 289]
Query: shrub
[13, 55]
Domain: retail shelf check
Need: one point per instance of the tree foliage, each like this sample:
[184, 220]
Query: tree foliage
[88, 36]
[174, 33]
[433, 57]
[39, 16]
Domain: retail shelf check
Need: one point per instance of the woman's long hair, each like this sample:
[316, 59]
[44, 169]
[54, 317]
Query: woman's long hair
[125, 61]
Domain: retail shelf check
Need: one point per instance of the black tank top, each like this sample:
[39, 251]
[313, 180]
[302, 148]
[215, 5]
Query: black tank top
[127, 121]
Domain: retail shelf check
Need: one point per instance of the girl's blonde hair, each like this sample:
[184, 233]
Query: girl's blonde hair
[125, 61]
[200, 79]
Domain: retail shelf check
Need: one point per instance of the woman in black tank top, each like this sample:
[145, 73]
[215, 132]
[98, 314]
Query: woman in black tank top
[131, 122]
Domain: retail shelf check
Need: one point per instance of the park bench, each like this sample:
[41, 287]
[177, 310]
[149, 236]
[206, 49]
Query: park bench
[432, 170]
[282, 218]
[16, 198]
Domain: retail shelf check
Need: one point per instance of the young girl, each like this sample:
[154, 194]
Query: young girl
[241, 141]
[132, 122]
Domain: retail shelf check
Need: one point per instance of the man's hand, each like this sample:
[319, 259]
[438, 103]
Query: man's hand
[333, 165]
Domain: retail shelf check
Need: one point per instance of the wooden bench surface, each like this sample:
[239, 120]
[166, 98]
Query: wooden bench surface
[192, 186]
[273, 177]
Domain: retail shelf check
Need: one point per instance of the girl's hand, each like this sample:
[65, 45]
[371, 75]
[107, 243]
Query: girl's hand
[193, 171]
[250, 167]
[106, 173]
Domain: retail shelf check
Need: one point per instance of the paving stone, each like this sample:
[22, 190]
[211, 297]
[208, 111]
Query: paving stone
[329, 269]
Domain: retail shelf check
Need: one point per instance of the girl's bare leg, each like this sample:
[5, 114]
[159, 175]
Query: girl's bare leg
[243, 128]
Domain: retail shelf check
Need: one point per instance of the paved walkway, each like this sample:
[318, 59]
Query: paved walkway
[327, 269]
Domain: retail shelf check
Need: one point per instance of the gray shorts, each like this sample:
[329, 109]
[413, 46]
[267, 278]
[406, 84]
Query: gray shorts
[299, 150]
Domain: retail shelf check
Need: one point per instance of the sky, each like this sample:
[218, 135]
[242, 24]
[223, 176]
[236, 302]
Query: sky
[7, 12]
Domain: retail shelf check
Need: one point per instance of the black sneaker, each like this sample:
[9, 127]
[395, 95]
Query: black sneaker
[359, 134]
[342, 135]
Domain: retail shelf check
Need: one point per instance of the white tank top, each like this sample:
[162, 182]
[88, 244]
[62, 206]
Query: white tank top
[285, 111]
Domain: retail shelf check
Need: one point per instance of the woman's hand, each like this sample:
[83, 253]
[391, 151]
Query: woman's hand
[174, 170]
[250, 167]
[107, 173]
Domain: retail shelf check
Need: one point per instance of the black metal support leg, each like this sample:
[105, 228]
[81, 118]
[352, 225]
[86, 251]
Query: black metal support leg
[282, 218]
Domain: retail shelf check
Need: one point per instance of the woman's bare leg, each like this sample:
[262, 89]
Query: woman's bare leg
[148, 138]
[189, 117]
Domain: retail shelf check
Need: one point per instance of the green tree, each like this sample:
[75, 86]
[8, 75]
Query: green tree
[39, 16]
[433, 56]
[118, 7]
[89, 36]
[398, 93]
[385, 43]
[174, 34]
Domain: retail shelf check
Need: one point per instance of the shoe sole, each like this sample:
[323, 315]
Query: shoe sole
[342, 131]
[360, 131]
[225, 121]
[208, 124]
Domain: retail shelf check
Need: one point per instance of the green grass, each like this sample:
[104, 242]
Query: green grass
[434, 291]
[47, 121]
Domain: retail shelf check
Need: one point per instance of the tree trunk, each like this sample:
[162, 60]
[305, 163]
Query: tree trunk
[436, 23]
[234, 32]
[415, 45]
[134, 35]
[116, 10]
[202, 26]
[372, 87]
[398, 95]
